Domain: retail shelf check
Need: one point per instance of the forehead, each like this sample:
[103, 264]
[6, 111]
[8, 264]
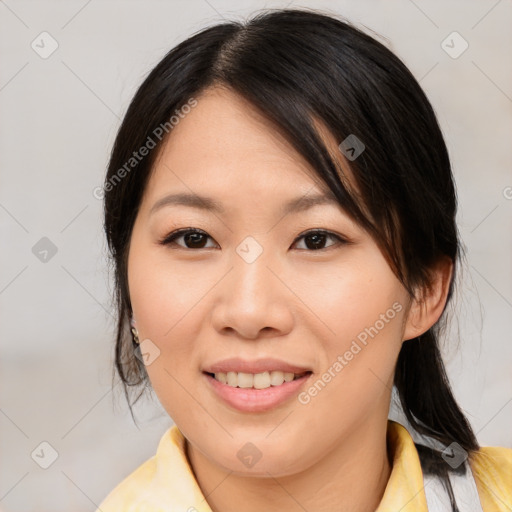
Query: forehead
[224, 147]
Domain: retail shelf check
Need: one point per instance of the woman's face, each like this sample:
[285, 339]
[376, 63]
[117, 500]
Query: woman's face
[251, 294]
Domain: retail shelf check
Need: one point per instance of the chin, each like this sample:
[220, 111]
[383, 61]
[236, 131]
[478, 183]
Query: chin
[262, 458]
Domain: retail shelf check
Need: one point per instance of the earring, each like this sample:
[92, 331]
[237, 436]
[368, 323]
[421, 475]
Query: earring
[134, 331]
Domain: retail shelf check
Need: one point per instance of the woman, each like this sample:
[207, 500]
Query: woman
[280, 210]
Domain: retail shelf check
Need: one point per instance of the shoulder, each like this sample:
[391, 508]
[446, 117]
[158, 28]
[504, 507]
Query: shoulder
[142, 485]
[492, 469]
[129, 490]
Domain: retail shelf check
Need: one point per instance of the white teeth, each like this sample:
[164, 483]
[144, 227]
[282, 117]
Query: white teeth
[276, 378]
[245, 380]
[232, 379]
[261, 380]
[258, 381]
[221, 377]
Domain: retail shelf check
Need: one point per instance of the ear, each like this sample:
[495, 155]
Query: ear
[426, 309]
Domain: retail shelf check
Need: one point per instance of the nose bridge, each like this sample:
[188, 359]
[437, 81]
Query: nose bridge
[250, 280]
[251, 298]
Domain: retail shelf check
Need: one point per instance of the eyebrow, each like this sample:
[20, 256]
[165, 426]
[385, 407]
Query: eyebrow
[298, 204]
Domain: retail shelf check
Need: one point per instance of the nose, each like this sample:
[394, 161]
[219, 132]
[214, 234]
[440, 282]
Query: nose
[253, 301]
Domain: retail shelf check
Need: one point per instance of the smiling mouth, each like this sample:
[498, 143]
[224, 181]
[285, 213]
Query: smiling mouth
[261, 380]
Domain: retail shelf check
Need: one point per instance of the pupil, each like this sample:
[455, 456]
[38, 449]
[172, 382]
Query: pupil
[194, 238]
[318, 238]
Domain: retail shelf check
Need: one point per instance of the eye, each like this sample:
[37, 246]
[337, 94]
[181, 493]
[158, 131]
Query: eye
[315, 239]
[196, 238]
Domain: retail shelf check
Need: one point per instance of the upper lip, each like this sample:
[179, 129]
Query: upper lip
[256, 366]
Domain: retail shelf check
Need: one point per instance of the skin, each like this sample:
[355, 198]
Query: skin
[305, 306]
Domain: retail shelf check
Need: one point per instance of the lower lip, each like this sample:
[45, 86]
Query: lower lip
[256, 400]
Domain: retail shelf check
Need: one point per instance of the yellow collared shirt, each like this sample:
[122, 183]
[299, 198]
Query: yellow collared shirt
[166, 483]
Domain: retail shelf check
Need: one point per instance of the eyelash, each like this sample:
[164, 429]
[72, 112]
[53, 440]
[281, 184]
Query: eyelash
[171, 237]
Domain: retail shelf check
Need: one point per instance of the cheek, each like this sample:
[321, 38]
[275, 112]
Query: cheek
[162, 301]
[350, 297]
[363, 308]
[162, 292]
[165, 297]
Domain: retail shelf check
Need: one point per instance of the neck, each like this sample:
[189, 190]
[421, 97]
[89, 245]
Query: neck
[353, 476]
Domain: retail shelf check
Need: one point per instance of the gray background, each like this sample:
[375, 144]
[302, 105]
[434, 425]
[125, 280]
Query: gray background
[59, 119]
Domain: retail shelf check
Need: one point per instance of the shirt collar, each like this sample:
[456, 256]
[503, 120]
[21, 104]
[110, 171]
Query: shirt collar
[404, 490]
[175, 482]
